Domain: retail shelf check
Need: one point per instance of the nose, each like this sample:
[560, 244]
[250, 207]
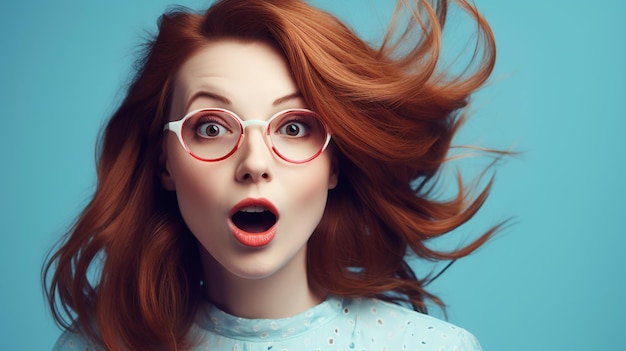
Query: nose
[255, 157]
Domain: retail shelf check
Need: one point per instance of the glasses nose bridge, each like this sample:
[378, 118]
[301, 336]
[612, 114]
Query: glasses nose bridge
[256, 123]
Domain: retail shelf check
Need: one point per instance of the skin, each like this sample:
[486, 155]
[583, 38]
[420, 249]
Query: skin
[253, 80]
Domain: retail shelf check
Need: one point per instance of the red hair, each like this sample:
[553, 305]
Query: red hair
[392, 118]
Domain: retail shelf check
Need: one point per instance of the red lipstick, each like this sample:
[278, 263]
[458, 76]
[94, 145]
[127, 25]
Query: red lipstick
[253, 222]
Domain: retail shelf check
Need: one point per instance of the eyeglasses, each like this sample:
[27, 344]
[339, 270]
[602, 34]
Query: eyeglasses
[213, 134]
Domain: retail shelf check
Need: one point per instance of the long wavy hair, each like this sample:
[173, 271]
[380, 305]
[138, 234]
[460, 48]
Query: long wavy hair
[127, 273]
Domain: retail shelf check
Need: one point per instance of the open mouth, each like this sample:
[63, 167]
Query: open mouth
[253, 222]
[254, 219]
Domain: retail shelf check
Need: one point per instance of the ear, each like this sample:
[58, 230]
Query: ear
[167, 179]
[333, 177]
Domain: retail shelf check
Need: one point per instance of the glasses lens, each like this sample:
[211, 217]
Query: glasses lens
[211, 134]
[298, 136]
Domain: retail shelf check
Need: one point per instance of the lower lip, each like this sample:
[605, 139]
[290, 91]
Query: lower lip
[253, 239]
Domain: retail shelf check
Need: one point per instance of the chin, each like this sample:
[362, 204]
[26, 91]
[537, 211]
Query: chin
[267, 263]
[254, 264]
[255, 272]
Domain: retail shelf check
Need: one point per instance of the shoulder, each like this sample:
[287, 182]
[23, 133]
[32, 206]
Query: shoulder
[395, 327]
[73, 341]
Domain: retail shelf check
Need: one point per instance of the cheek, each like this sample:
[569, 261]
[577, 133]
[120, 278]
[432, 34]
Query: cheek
[201, 195]
[307, 192]
[198, 186]
[310, 190]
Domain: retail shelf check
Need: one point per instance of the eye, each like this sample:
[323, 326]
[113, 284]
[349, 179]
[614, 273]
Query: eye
[210, 129]
[294, 128]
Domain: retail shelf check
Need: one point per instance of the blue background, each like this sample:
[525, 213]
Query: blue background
[553, 280]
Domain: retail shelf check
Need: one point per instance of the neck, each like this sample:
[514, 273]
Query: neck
[282, 294]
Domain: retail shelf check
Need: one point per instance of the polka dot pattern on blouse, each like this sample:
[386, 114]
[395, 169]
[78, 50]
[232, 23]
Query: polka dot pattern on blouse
[335, 324]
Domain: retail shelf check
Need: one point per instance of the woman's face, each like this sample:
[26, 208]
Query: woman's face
[216, 199]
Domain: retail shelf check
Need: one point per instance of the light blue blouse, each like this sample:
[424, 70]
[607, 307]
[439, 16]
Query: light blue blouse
[335, 324]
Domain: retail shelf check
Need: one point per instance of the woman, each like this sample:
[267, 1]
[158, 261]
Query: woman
[260, 186]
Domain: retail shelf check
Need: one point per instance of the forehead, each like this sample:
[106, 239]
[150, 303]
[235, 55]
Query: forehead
[250, 72]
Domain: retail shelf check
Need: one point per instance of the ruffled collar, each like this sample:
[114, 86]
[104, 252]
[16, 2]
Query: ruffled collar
[215, 320]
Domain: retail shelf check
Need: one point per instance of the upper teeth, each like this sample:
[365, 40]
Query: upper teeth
[253, 209]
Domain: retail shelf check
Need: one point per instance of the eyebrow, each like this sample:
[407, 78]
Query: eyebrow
[286, 98]
[226, 101]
